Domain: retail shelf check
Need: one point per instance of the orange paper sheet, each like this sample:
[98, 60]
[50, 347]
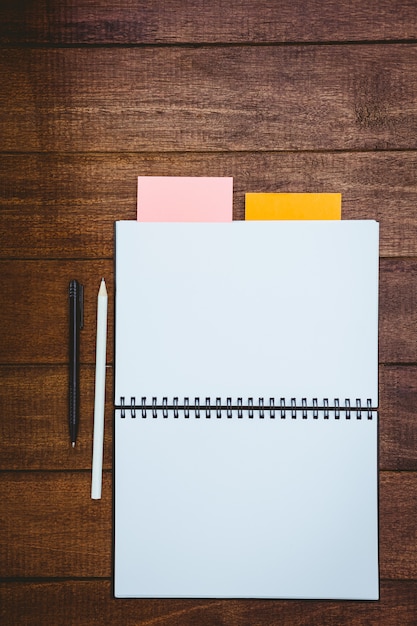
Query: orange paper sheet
[293, 206]
[185, 199]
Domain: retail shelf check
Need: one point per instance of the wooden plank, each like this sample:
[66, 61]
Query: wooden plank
[34, 419]
[397, 525]
[340, 97]
[68, 203]
[34, 408]
[178, 21]
[397, 312]
[51, 527]
[42, 535]
[90, 603]
[397, 423]
[35, 318]
[35, 327]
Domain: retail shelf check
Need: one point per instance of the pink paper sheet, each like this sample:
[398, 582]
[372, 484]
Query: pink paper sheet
[185, 199]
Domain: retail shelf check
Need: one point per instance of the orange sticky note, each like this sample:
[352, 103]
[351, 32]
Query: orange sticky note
[185, 199]
[293, 206]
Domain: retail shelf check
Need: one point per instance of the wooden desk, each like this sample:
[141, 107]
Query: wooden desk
[291, 96]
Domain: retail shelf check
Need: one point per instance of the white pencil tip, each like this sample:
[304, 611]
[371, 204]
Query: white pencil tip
[103, 289]
[73, 444]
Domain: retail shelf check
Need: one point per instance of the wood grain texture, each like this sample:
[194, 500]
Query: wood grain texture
[349, 97]
[35, 320]
[90, 603]
[34, 419]
[34, 501]
[194, 21]
[35, 328]
[51, 527]
[397, 525]
[397, 311]
[397, 423]
[34, 410]
[68, 203]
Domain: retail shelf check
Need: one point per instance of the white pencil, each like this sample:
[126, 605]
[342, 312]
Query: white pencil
[100, 392]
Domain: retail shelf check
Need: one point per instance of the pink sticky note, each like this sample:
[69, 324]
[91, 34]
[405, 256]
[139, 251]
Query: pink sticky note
[185, 199]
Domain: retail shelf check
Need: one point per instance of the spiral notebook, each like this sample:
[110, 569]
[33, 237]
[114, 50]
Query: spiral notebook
[246, 394]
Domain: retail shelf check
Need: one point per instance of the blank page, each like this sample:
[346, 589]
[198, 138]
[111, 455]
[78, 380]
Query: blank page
[247, 309]
[229, 507]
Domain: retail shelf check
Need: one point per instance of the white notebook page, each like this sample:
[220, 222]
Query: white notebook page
[283, 508]
[247, 309]
[218, 506]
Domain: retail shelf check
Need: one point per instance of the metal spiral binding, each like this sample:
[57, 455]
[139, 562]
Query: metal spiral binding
[293, 408]
[304, 405]
[338, 409]
[347, 407]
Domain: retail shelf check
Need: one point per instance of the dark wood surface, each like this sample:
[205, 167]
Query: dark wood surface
[301, 95]
[209, 98]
